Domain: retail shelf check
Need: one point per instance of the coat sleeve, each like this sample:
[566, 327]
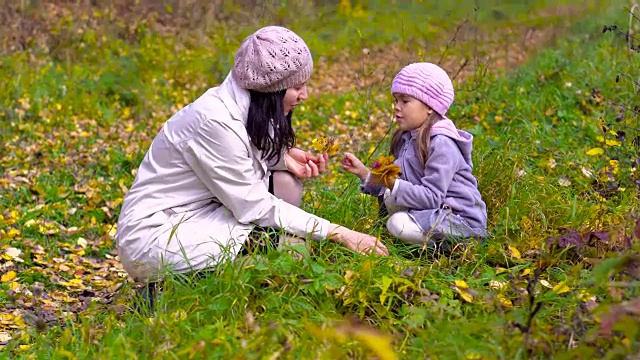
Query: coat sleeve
[367, 188]
[221, 160]
[441, 166]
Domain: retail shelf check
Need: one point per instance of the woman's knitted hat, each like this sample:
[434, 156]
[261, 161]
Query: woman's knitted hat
[426, 82]
[272, 59]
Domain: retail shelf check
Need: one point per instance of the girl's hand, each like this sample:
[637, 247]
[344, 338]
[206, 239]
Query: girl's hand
[353, 165]
[376, 180]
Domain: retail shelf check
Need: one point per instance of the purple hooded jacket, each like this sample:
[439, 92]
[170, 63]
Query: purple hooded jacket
[442, 195]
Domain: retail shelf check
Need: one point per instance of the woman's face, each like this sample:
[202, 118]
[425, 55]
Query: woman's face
[294, 96]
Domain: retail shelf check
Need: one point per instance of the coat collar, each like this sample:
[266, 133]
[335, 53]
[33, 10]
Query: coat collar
[235, 98]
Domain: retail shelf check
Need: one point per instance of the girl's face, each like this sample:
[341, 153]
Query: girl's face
[410, 113]
[294, 96]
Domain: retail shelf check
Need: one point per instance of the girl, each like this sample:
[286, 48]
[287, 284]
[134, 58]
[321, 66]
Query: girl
[224, 165]
[436, 196]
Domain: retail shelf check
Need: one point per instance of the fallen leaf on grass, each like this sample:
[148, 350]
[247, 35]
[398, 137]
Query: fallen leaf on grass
[14, 254]
[8, 276]
[5, 337]
[515, 253]
[595, 151]
[502, 299]
[561, 288]
[379, 343]
[564, 181]
[545, 283]
[463, 290]
[586, 172]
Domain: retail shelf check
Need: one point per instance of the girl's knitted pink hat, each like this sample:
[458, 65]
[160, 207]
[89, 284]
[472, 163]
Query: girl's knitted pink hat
[426, 82]
[271, 59]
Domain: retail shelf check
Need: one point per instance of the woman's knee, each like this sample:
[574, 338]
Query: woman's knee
[287, 187]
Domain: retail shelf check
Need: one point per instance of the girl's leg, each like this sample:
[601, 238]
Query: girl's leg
[402, 226]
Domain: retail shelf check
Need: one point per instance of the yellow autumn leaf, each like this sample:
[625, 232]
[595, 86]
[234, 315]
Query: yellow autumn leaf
[595, 151]
[326, 144]
[504, 301]
[378, 344]
[14, 286]
[466, 296]
[8, 276]
[463, 290]
[561, 288]
[12, 233]
[514, 252]
[611, 142]
[112, 231]
[385, 169]
[470, 355]
[381, 344]
[19, 321]
[526, 272]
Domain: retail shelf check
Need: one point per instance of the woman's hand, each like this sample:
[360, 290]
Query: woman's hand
[357, 241]
[304, 165]
[353, 165]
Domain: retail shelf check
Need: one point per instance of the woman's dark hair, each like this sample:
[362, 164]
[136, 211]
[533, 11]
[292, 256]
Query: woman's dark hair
[268, 127]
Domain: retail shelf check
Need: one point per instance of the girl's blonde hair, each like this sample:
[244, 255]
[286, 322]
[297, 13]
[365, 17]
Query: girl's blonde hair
[422, 139]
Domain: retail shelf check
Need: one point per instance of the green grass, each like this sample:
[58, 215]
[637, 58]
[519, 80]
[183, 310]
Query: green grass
[78, 120]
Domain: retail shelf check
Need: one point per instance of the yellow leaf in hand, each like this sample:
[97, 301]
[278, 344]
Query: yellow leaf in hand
[326, 144]
[386, 170]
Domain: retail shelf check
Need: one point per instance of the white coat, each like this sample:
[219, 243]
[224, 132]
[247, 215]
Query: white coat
[200, 190]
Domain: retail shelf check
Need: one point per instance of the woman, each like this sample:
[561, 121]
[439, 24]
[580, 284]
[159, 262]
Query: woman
[224, 164]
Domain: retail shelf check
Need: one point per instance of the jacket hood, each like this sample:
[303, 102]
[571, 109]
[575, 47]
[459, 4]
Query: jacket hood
[463, 139]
